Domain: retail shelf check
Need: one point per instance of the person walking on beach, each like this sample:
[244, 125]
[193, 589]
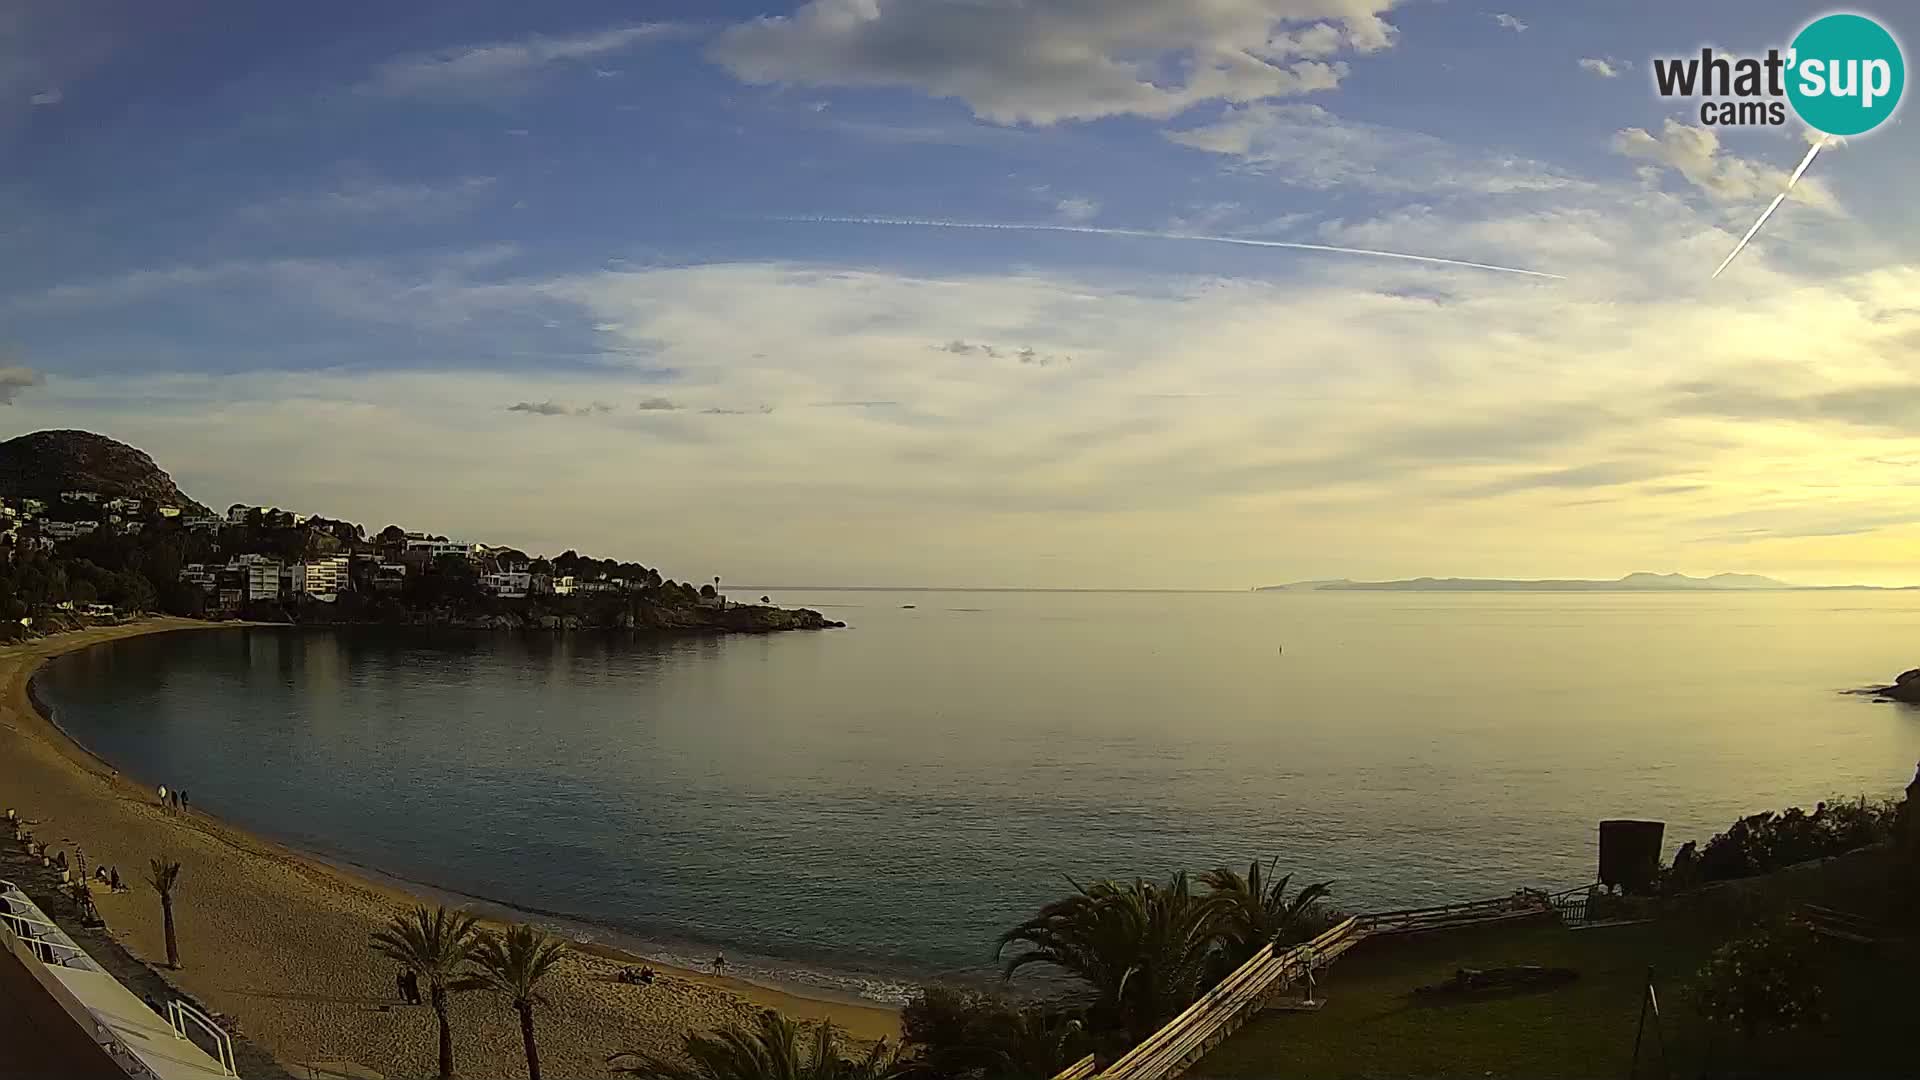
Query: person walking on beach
[183, 799]
[163, 796]
[176, 800]
[719, 963]
[410, 986]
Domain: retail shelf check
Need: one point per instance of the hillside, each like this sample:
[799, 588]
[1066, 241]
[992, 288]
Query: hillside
[45, 463]
[1637, 582]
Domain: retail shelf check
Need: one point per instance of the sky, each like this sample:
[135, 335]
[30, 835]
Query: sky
[663, 281]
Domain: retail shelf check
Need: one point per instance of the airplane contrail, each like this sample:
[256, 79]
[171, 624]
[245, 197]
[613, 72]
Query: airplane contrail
[1812, 151]
[1092, 230]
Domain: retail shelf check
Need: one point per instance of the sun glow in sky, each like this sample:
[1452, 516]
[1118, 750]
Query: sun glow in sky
[535, 275]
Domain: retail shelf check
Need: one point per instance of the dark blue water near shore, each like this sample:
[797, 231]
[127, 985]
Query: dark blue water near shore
[861, 808]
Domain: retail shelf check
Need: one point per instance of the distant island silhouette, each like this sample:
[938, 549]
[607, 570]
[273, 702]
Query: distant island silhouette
[1636, 582]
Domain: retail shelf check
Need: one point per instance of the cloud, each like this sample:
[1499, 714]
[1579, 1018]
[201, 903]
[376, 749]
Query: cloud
[500, 69]
[1509, 22]
[1607, 68]
[552, 408]
[15, 379]
[47, 97]
[1046, 61]
[372, 199]
[1077, 210]
[1314, 148]
[1695, 153]
[657, 404]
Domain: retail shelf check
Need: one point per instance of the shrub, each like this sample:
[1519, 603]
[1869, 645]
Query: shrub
[963, 1034]
[1759, 983]
[1769, 841]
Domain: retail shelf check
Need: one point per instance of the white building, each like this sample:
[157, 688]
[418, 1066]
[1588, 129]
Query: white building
[508, 583]
[433, 549]
[262, 576]
[327, 578]
[199, 522]
[33, 507]
[563, 586]
[237, 513]
[124, 505]
[203, 576]
[68, 530]
[80, 496]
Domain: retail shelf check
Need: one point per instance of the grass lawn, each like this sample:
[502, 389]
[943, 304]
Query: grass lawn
[1374, 1026]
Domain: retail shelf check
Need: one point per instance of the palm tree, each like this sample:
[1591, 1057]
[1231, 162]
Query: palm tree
[164, 876]
[1256, 911]
[1144, 949]
[512, 966]
[770, 1051]
[433, 945]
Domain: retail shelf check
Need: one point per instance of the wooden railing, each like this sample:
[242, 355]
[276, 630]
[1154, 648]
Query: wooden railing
[1523, 904]
[1222, 1010]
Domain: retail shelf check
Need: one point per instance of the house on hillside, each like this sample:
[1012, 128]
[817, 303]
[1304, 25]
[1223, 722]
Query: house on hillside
[507, 584]
[425, 551]
[67, 530]
[327, 578]
[80, 497]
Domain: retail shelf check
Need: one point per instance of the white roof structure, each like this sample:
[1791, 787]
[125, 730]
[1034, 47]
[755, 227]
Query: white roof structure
[146, 1045]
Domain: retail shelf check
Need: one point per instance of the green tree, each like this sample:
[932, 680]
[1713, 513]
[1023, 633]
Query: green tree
[1144, 949]
[164, 876]
[512, 965]
[1255, 910]
[435, 945]
[969, 1035]
[771, 1050]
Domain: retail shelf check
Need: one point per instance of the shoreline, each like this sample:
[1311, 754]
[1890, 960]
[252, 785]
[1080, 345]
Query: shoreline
[275, 937]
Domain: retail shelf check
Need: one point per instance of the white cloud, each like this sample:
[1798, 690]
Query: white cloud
[1509, 22]
[1046, 61]
[1695, 153]
[1077, 210]
[47, 97]
[372, 199]
[1606, 68]
[500, 68]
[1341, 418]
[1312, 147]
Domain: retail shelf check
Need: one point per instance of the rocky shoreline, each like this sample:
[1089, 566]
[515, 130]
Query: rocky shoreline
[1905, 689]
[639, 617]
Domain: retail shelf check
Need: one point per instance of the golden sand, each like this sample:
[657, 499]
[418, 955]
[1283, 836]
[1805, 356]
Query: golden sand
[278, 940]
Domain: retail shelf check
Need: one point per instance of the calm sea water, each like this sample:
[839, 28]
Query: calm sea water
[858, 808]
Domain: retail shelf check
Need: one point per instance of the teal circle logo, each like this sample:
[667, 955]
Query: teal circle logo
[1846, 74]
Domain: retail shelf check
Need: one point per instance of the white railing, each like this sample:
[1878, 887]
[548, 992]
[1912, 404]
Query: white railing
[49, 938]
[179, 1014]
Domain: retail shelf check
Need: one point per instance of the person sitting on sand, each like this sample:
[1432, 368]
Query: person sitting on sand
[113, 879]
[646, 976]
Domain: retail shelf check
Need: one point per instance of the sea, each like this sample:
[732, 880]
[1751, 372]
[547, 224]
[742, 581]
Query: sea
[856, 812]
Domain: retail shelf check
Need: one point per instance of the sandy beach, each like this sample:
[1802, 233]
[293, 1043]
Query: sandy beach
[278, 940]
